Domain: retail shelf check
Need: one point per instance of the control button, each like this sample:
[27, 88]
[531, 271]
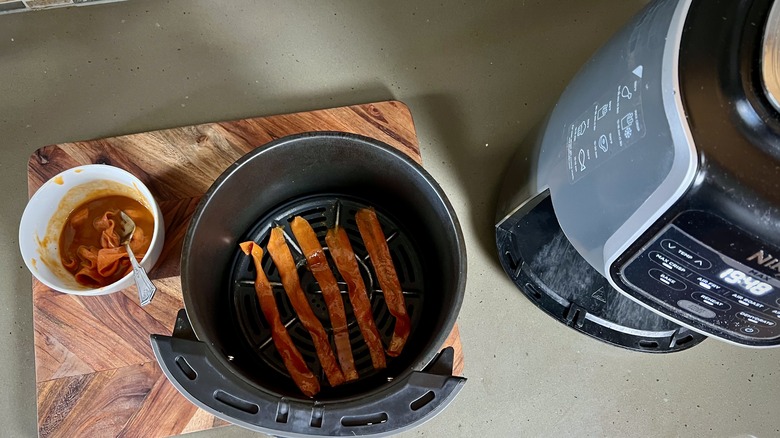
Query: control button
[669, 280]
[685, 254]
[668, 263]
[746, 301]
[755, 319]
[773, 312]
[749, 330]
[711, 302]
[696, 309]
[706, 283]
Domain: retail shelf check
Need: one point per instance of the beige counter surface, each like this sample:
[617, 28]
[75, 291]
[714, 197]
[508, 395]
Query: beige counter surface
[477, 76]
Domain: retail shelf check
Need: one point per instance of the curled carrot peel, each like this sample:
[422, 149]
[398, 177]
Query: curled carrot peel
[341, 251]
[379, 253]
[89, 243]
[318, 264]
[292, 358]
[284, 262]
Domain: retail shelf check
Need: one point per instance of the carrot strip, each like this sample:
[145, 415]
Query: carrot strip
[318, 264]
[89, 277]
[107, 224]
[341, 251]
[284, 262]
[379, 253]
[88, 256]
[108, 260]
[292, 358]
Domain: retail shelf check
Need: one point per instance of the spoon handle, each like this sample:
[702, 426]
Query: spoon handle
[146, 288]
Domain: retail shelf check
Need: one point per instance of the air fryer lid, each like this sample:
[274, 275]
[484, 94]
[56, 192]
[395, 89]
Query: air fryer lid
[606, 162]
[723, 235]
[661, 164]
[227, 365]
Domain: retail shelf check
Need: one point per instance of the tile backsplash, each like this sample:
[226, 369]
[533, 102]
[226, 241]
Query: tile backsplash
[7, 6]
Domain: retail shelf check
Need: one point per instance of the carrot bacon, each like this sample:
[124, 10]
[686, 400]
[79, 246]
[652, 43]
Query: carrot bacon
[341, 251]
[284, 262]
[319, 266]
[292, 358]
[379, 253]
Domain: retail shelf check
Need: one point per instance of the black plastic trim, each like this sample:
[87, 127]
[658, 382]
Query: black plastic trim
[531, 241]
[403, 405]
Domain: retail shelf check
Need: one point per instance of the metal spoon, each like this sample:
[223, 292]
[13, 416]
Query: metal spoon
[146, 288]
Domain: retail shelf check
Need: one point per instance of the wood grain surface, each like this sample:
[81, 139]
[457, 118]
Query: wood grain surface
[95, 371]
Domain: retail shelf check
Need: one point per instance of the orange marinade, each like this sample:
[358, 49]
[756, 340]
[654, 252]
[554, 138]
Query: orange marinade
[89, 243]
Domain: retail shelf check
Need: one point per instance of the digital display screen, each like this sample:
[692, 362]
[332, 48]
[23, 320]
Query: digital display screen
[745, 282]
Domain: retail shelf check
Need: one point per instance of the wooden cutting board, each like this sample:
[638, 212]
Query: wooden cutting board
[95, 371]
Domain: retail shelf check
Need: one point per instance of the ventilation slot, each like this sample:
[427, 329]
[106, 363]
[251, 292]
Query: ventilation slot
[316, 416]
[282, 412]
[422, 401]
[185, 368]
[648, 345]
[235, 402]
[575, 316]
[364, 420]
[534, 292]
[684, 340]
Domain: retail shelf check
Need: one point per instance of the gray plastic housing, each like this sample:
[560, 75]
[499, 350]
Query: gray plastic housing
[615, 152]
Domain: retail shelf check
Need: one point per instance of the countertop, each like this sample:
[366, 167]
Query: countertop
[477, 76]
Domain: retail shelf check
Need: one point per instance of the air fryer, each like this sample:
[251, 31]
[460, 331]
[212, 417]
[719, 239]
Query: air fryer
[221, 356]
[648, 215]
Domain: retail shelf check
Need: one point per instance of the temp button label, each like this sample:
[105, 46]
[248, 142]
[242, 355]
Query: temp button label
[685, 254]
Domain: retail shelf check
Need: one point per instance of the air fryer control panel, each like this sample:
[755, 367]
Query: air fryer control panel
[705, 270]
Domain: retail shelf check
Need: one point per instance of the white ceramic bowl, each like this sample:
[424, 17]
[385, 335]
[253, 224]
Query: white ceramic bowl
[49, 207]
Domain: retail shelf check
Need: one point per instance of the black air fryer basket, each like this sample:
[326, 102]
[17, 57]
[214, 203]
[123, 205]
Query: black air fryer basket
[221, 356]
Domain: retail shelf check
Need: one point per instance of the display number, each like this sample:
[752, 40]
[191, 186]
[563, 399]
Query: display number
[746, 282]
